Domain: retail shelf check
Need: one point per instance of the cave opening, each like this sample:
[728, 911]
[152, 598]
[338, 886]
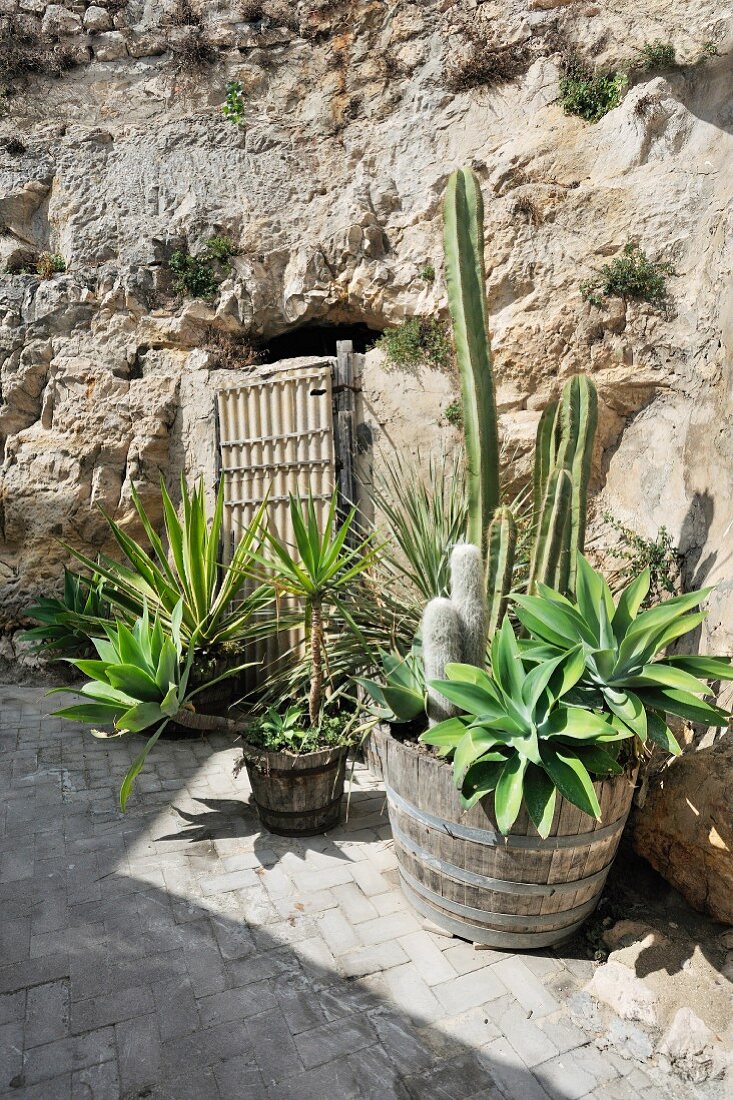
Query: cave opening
[318, 340]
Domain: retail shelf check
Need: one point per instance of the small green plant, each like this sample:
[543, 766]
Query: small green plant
[233, 108]
[427, 273]
[219, 248]
[657, 55]
[630, 275]
[401, 695]
[659, 555]
[67, 623]
[453, 414]
[710, 49]
[588, 94]
[417, 341]
[292, 732]
[194, 275]
[50, 264]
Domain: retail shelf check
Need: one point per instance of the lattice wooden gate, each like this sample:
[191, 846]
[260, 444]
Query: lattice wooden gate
[277, 436]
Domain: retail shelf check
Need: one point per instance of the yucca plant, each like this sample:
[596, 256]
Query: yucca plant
[216, 606]
[520, 739]
[68, 622]
[319, 574]
[139, 679]
[424, 514]
[622, 670]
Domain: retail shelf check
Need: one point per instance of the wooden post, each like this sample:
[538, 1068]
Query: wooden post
[344, 427]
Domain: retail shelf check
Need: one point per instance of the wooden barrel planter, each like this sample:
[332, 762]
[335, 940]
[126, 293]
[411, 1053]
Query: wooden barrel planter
[297, 795]
[515, 892]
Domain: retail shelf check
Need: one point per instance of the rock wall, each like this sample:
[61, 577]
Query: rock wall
[330, 191]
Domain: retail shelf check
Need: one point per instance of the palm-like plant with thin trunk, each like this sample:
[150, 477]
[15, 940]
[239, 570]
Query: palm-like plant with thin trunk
[318, 573]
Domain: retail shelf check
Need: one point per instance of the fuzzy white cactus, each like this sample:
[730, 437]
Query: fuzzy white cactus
[468, 597]
[441, 640]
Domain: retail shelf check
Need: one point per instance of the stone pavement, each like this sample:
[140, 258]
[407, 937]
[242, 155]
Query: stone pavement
[177, 952]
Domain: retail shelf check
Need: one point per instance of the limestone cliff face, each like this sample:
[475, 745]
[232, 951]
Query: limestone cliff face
[331, 193]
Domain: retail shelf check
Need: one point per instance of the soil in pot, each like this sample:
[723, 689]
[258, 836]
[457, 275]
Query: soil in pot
[297, 794]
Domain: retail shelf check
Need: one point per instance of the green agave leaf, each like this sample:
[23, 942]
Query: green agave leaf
[470, 674]
[473, 744]
[661, 734]
[660, 674]
[405, 703]
[537, 680]
[628, 707]
[508, 793]
[94, 670]
[171, 703]
[577, 724]
[540, 798]
[445, 735]
[506, 665]
[629, 603]
[90, 712]
[140, 717]
[469, 697]
[134, 682]
[561, 622]
[137, 766]
[106, 693]
[167, 666]
[712, 668]
[684, 705]
[596, 760]
[571, 778]
[482, 778]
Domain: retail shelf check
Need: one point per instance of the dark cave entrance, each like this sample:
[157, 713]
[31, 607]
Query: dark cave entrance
[318, 340]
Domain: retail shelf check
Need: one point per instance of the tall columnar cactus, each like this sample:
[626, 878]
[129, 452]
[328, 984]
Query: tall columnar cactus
[565, 439]
[441, 642]
[467, 594]
[501, 543]
[466, 279]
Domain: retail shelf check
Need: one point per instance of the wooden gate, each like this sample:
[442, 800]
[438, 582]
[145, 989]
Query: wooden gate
[277, 436]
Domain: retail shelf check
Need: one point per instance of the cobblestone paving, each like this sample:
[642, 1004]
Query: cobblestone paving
[180, 953]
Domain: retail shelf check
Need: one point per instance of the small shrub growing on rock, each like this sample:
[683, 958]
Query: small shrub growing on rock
[588, 94]
[487, 64]
[453, 414]
[657, 55]
[233, 352]
[659, 555]
[417, 341]
[195, 275]
[233, 108]
[427, 273]
[13, 146]
[50, 264]
[25, 49]
[630, 275]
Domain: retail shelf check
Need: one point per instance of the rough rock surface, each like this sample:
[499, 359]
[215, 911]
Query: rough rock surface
[686, 827]
[330, 191]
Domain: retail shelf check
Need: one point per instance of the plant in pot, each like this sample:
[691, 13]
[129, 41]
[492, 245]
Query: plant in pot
[295, 753]
[480, 869]
[221, 612]
[139, 679]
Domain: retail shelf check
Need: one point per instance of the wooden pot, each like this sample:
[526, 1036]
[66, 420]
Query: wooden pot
[297, 795]
[515, 892]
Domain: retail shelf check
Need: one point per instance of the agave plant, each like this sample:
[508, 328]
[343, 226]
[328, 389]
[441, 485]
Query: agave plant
[139, 679]
[401, 695]
[622, 671]
[520, 738]
[67, 623]
[216, 606]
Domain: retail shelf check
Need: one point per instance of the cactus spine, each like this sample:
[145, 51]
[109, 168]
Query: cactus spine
[463, 212]
[467, 594]
[501, 543]
[441, 641]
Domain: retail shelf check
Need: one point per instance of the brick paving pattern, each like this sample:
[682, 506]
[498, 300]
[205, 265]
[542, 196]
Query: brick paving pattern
[177, 952]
